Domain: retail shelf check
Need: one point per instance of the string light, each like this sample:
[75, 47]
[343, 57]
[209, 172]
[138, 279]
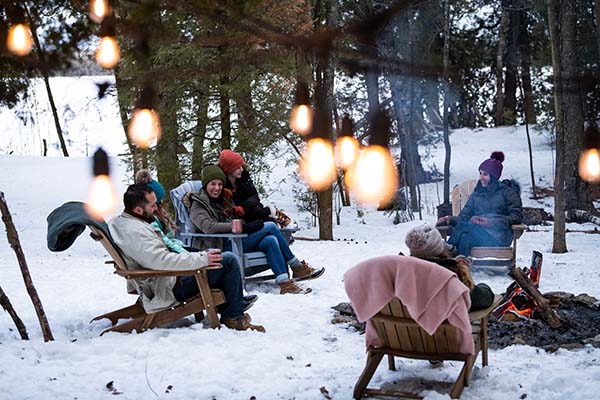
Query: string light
[317, 165]
[102, 197]
[347, 147]
[374, 178]
[108, 53]
[99, 9]
[589, 160]
[301, 116]
[144, 128]
[19, 40]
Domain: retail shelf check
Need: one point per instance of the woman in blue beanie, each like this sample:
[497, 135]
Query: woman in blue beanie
[490, 211]
[162, 219]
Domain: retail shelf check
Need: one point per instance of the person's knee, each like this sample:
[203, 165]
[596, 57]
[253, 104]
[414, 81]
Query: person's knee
[271, 226]
[270, 242]
[229, 261]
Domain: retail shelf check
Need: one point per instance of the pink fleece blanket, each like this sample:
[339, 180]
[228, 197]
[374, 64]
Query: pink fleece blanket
[432, 294]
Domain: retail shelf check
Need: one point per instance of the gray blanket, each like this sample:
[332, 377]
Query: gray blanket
[67, 222]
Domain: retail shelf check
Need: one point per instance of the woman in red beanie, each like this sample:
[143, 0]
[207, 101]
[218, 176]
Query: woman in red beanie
[242, 191]
[489, 212]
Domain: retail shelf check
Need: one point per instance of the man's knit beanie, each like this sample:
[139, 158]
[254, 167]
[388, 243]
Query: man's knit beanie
[493, 165]
[144, 176]
[425, 241]
[229, 161]
[211, 172]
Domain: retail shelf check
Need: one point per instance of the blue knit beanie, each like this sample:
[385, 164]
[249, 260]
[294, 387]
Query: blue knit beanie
[158, 189]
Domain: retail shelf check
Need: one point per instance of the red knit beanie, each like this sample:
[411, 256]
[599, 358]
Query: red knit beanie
[493, 165]
[229, 161]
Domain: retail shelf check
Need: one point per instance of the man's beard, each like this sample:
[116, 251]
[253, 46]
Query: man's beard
[149, 218]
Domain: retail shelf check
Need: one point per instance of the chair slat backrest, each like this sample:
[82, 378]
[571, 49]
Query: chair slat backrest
[99, 236]
[397, 330]
[460, 195]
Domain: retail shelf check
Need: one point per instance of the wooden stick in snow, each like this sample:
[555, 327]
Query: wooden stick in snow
[13, 240]
[543, 303]
[5, 302]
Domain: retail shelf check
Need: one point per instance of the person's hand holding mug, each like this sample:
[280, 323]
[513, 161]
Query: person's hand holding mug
[214, 256]
[444, 220]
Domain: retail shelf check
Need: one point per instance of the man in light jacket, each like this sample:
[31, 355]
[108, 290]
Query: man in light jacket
[143, 248]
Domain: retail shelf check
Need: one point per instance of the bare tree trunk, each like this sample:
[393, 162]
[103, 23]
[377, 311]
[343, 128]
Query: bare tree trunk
[46, 77]
[510, 79]
[448, 149]
[5, 302]
[559, 243]
[200, 133]
[597, 18]
[500, 68]
[225, 112]
[167, 159]
[13, 240]
[525, 51]
[533, 189]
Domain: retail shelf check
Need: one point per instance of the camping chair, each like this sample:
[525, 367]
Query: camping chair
[483, 256]
[208, 299]
[251, 263]
[401, 336]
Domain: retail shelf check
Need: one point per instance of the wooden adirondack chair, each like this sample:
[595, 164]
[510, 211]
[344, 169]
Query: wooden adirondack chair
[401, 336]
[483, 256]
[251, 263]
[137, 318]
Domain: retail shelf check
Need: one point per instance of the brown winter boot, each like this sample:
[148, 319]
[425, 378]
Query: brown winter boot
[291, 287]
[305, 271]
[242, 323]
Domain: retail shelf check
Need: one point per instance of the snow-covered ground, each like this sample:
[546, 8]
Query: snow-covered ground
[301, 352]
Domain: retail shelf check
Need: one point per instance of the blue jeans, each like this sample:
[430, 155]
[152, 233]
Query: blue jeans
[270, 241]
[466, 235]
[227, 279]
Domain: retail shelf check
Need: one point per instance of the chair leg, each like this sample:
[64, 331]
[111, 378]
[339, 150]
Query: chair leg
[373, 360]
[207, 298]
[484, 342]
[459, 385]
[391, 363]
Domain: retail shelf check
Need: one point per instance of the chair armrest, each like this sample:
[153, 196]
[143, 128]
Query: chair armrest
[149, 273]
[216, 235]
[443, 230]
[518, 230]
[479, 314]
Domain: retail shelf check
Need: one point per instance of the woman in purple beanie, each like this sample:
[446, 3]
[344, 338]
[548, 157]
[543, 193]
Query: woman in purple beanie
[490, 211]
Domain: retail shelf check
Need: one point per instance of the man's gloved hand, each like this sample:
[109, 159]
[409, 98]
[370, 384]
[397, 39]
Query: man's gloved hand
[238, 211]
[253, 226]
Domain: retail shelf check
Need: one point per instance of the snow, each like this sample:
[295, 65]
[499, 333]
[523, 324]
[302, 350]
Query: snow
[301, 352]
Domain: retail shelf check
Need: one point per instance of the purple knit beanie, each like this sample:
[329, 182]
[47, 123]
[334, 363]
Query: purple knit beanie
[493, 165]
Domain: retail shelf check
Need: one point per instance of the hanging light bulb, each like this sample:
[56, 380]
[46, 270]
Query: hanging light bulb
[301, 116]
[589, 160]
[346, 145]
[102, 198]
[19, 40]
[144, 128]
[108, 53]
[317, 165]
[374, 179]
[99, 9]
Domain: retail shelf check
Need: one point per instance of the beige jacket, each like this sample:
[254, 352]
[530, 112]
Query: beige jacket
[142, 247]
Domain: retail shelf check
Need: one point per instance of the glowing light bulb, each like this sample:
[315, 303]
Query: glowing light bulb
[102, 198]
[347, 149]
[19, 39]
[144, 128]
[373, 179]
[589, 165]
[301, 119]
[318, 165]
[108, 53]
[99, 9]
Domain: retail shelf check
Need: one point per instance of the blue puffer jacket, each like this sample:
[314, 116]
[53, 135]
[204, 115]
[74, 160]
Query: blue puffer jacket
[500, 201]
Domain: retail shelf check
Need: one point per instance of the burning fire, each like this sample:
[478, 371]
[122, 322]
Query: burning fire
[518, 305]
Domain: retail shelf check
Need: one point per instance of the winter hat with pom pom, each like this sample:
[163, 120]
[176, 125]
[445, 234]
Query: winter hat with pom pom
[493, 165]
[425, 241]
[144, 176]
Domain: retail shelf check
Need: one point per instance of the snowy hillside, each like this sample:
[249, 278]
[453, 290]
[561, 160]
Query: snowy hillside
[301, 351]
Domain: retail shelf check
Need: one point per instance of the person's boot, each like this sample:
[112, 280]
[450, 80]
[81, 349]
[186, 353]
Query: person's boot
[249, 301]
[242, 323]
[292, 288]
[304, 271]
